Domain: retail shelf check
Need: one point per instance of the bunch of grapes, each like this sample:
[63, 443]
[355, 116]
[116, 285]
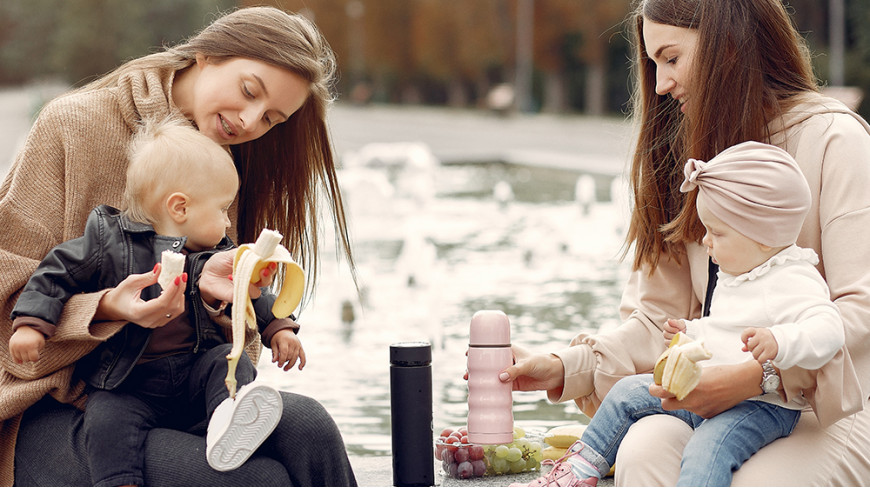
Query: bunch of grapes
[461, 459]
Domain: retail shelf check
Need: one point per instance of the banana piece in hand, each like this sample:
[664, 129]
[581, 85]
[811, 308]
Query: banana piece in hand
[250, 259]
[677, 370]
[171, 267]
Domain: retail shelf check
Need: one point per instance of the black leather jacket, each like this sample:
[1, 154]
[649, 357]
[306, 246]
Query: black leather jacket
[112, 248]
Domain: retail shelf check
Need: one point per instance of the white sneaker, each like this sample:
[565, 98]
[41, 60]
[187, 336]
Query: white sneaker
[238, 427]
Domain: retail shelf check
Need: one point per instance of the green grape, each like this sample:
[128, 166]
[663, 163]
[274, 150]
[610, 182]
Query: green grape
[518, 466]
[536, 452]
[523, 444]
[500, 465]
[519, 432]
[501, 451]
[514, 454]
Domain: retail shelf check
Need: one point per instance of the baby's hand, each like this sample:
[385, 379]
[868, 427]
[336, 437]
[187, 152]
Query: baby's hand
[287, 349]
[25, 344]
[672, 326]
[761, 343]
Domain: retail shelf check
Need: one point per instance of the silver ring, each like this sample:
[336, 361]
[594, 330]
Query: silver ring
[169, 316]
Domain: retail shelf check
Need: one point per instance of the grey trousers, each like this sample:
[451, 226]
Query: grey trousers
[306, 449]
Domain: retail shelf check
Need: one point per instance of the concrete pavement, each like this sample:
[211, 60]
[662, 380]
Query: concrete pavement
[378, 471]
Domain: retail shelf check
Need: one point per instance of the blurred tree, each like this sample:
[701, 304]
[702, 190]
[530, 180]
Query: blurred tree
[416, 51]
[858, 49]
[87, 36]
[485, 55]
[25, 38]
[459, 44]
[602, 24]
[371, 40]
[78, 40]
[389, 51]
[556, 47]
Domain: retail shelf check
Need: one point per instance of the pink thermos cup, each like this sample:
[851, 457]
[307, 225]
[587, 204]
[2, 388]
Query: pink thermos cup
[490, 404]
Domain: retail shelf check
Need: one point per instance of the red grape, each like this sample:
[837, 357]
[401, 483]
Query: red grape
[438, 450]
[461, 455]
[475, 452]
[448, 457]
[465, 470]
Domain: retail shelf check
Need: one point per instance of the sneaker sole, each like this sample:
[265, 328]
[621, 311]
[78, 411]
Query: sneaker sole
[253, 419]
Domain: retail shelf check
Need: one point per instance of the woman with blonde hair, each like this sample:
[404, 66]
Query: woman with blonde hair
[710, 75]
[257, 81]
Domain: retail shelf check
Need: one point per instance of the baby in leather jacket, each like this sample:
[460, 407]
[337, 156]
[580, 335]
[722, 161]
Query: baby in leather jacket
[180, 186]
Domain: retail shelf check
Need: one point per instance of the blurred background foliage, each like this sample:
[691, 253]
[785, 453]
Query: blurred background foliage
[571, 54]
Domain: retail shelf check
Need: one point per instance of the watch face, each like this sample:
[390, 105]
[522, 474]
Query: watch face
[770, 384]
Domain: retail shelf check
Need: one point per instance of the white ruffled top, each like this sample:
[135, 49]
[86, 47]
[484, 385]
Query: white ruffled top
[786, 294]
[790, 254]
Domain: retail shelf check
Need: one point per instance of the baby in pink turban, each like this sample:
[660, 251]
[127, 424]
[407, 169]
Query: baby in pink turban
[770, 305]
[752, 199]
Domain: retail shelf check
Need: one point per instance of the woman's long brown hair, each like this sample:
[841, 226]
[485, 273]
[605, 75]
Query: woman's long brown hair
[287, 172]
[750, 62]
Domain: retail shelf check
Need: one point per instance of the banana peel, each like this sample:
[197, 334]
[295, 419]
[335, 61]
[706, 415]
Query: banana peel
[249, 260]
[677, 340]
[676, 370]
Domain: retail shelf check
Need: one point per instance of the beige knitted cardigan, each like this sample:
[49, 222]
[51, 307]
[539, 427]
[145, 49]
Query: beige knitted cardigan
[74, 159]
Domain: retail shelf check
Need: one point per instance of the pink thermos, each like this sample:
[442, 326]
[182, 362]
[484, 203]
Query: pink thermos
[490, 404]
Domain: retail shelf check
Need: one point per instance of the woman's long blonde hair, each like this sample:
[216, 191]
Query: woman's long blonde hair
[750, 62]
[282, 172]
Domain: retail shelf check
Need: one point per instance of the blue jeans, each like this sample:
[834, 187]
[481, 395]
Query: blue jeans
[718, 447]
[177, 392]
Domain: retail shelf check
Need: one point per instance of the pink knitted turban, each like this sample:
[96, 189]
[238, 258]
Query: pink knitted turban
[756, 189]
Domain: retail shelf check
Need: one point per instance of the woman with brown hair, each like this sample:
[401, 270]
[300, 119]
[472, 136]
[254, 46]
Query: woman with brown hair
[710, 75]
[257, 81]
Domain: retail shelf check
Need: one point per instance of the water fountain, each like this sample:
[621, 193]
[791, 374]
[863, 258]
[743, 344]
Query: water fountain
[428, 260]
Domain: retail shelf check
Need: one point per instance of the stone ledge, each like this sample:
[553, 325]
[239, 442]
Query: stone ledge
[378, 471]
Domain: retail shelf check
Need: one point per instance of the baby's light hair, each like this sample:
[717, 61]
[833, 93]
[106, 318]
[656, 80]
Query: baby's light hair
[168, 156]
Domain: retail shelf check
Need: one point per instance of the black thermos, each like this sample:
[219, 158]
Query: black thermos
[411, 414]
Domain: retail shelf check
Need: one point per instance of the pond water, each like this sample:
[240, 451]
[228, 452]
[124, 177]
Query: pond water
[434, 244]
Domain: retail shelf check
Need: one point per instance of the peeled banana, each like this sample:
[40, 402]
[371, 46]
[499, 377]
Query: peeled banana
[563, 436]
[247, 264]
[560, 438]
[677, 370]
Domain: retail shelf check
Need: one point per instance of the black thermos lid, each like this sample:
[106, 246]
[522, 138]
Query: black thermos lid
[410, 354]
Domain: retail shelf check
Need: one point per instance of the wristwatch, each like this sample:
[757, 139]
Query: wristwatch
[769, 377]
